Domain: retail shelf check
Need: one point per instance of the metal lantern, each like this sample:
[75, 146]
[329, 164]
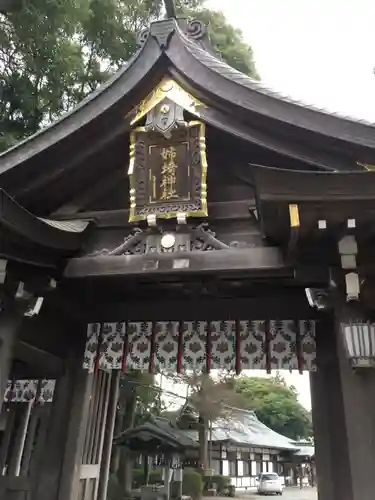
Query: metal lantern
[359, 341]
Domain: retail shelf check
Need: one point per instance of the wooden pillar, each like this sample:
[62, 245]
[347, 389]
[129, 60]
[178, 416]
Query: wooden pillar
[358, 390]
[344, 420]
[331, 446]
[76, 426]
[48, 482]
[20, 440]
[9, 325]
[108, 438]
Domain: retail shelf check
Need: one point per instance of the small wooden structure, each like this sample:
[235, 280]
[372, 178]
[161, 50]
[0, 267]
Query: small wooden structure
[156, 437]
[160, 444]
[183, 217]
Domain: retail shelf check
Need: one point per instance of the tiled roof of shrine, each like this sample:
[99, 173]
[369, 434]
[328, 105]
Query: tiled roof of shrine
[242, 427]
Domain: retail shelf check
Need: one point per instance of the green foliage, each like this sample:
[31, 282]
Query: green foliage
[147, 398]
[154, 477]
[114, 491]
[275, 404]
[192, 484]
[228, 41]
[231, 491]
[222, 483]
[209, 397]
[55, 52]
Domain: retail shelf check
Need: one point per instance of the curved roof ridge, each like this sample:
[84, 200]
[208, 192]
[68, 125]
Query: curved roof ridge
[236, 76]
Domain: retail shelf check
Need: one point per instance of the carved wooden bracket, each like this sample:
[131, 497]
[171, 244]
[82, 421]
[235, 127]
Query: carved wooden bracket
[184, 239]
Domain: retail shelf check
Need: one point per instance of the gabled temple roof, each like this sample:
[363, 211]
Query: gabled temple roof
[233, 102]
[158, 430]
[243, 428]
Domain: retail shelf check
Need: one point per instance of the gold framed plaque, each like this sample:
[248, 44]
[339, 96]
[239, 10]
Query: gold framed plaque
[168, 173]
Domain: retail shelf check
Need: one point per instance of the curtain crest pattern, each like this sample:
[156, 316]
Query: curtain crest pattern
[201, 346]
[29, 391]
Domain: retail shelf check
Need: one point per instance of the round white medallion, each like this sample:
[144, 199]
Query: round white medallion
[168, 240]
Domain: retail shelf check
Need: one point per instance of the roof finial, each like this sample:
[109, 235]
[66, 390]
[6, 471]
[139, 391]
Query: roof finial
[170, 8]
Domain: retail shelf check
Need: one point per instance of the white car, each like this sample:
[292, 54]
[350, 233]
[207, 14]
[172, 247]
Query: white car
[270, 483]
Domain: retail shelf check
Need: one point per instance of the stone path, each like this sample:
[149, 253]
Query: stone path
[289, 494]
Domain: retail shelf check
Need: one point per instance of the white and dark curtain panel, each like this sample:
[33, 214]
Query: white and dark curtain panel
[201, 346]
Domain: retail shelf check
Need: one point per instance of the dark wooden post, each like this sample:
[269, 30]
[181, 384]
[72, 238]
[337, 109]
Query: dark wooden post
[76, 426]
[344, 418]
[9, 326]
[20, 439]
[358, 389]
[331, 445]
[108, 438]
[51, 463]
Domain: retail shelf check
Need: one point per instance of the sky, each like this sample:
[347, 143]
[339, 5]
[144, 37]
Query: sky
[319, 51]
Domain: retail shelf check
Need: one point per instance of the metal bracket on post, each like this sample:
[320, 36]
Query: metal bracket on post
[348, 250]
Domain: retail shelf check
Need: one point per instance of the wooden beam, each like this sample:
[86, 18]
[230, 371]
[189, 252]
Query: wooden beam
[254, 261]
[219, 210]
[39, 362]
[275, 184]
[274, 307]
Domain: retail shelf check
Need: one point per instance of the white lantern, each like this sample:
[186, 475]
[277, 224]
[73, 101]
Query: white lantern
[359, 341]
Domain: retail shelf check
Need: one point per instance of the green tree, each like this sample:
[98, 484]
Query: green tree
[55, 52]
[228, 41]
[211, 399]
[275, 404]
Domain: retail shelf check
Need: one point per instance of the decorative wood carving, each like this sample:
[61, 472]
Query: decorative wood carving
[196, 29]
[366, 166]
[142, 37]
[162, 32]
[167, 89]
[187, 238]
[164, 117]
